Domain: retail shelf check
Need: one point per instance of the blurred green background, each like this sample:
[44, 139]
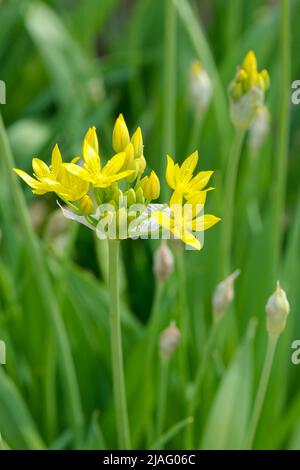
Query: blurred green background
[71, 64]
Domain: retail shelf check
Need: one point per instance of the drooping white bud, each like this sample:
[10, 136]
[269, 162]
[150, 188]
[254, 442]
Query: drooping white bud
[277, 309]
[224, 295]
[200, 87]
[163, 262]
[169, 340]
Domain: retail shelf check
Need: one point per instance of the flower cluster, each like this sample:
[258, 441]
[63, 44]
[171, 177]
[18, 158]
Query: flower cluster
[247, 91]
[115, 199]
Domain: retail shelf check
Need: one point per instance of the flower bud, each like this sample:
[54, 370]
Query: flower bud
[150, 186]
[163, 262]
[277, 309]
[139, 196]
[259, 128]
[86, 205]
[120, 137]
[223, 295]
[169, 340]
[129, 158]
[140, 165]
[246, 92]
[200, 87]
[137, 142]
[131, 197]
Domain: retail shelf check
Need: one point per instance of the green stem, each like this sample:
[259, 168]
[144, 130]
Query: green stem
[162, 395]
[229, 201]
[196, 131]
[195, 395]
[44, 287]
[152, 345]
[169, 83]
[184, 319]
[279, 185]
[260, 397]
[116, 348]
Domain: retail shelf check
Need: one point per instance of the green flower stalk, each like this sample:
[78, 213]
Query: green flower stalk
[277, 309]
[246, 97]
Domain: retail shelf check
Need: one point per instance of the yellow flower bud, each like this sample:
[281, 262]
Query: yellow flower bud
[137, 142]
[277, 309]
[120, 137]
[140, 165]
[247, 91]
[151, 186]
[86, 205]
[129, 159]
[266, 78]
[168, 341]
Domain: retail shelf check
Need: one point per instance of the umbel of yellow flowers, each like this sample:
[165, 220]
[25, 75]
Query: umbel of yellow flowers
[115, 199]
[247, 91]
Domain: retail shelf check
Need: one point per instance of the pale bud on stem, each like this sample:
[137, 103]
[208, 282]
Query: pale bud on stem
[224, 295]
[277, 309]
[200, 87]
[163, 262]
[169, 340]
[259, 129]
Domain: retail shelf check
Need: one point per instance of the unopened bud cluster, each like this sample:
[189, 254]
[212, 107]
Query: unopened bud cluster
[247, 91]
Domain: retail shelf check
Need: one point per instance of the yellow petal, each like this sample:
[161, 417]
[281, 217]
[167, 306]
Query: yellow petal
[114, 164]
[187, 168]
[204, 222]
[78, 171]
[250, 63]
[41, 170]
[176, 199]
[90, 151]
[189, 239]
[56, 161]
[163, 219]
[170, 172]
[34, 184]
[200, 180]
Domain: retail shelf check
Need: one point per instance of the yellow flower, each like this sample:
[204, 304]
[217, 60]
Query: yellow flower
[184, 220]
[54, 178]
[151, 186]
[92, 171]
[181, 179]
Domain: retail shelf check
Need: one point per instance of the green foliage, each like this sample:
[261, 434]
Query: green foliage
[68, 65]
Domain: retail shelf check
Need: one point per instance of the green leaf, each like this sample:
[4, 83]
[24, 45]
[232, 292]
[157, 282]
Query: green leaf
[227, 422]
